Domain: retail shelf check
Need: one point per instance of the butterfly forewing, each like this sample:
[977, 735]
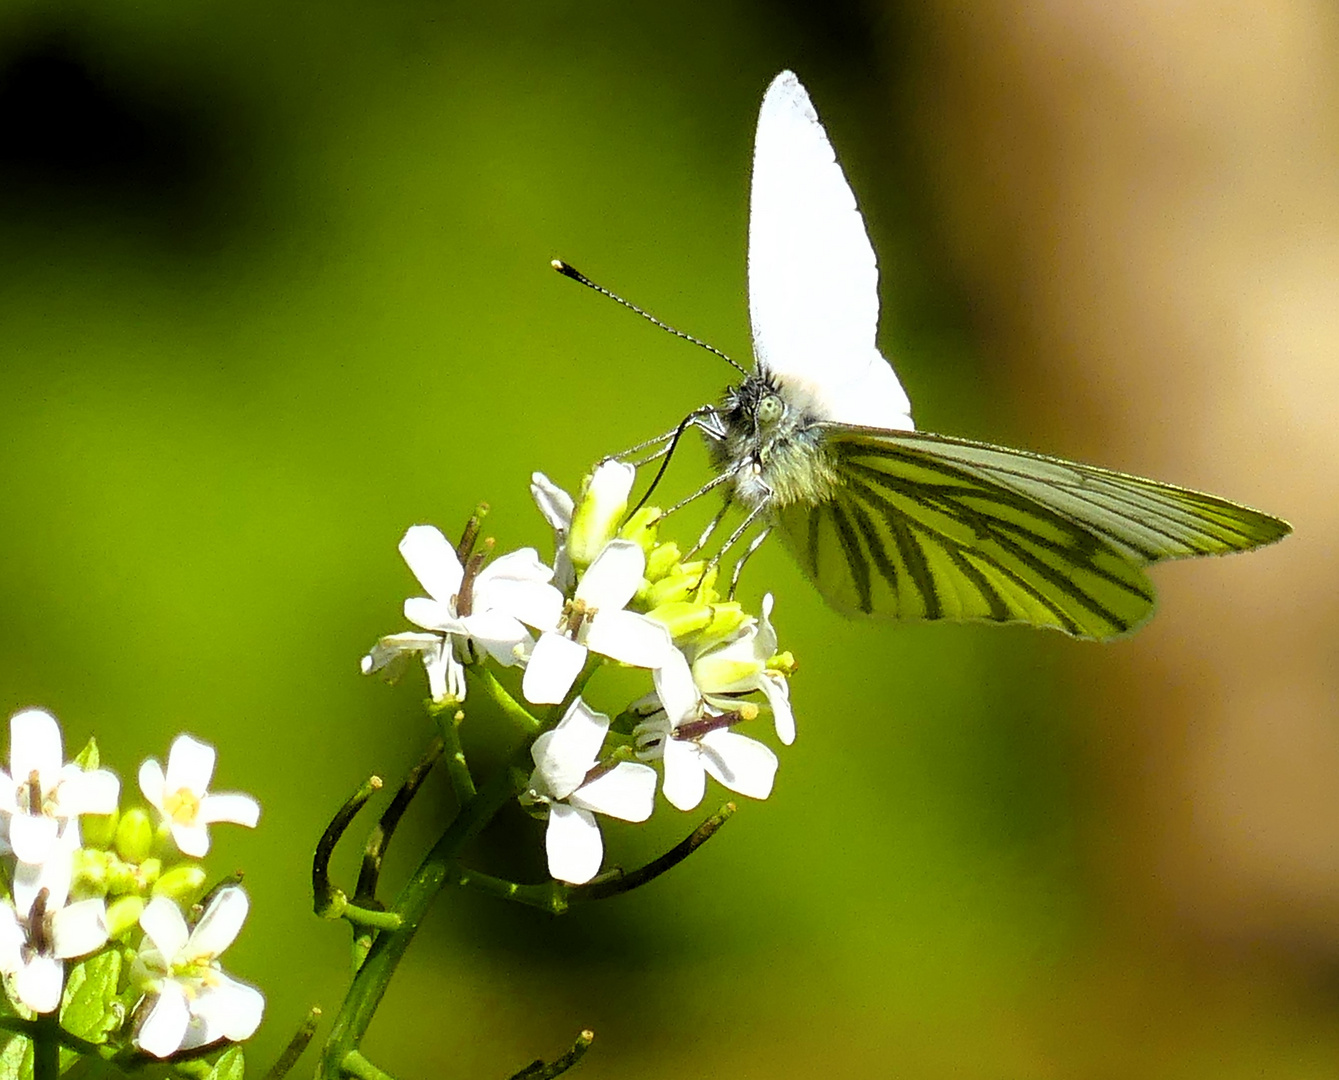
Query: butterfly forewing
[929, 527]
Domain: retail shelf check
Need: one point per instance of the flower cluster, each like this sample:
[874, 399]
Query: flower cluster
[117, 892]
[615, 593]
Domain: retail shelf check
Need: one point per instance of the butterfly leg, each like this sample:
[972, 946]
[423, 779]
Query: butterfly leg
[705, 418]
[754, 545]
[712, 524]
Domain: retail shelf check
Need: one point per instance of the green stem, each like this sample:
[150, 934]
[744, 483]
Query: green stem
[356, 1065]
[360, 1004]
[514, 710]
[551, 896]
[46, 1047]
[298, 1043]
[457, 768]
[32, 1029]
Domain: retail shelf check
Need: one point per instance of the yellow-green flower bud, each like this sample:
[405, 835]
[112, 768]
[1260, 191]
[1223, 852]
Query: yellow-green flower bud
[662, 559]
[122, 877]
[642, 527]
[727, 619]
[184, 883]
[92, 869]
[123, 915]
[99, 830]
[683, 584]
[134, 836]
[604, 498]
[682, 618]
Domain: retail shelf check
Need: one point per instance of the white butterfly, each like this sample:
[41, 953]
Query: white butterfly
[818, 442]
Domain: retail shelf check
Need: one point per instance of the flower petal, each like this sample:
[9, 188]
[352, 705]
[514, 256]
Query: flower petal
[162, 1030]
[566, 754]
[554, 666]
[433, 561]
[94, 792]
[777, 690]
[190, 765]
[573, 844]
[32, 836]
[629, 637]
[220, 924]
[39, 983]
[614, 576]
[685, 777]
[166, 927]
[535, 603]
[79, 929]
[498, 633]
[12, 938]
[191, 840]
[675, 687]
[231, 807]
[229, 1009]
[433, 615]
[35, 745]
[152, 783]
[740, 763]
[627, 791]
[553, 502]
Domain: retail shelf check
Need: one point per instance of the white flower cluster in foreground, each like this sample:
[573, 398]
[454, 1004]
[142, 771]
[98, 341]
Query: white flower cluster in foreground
[614, 593]
[94, 884]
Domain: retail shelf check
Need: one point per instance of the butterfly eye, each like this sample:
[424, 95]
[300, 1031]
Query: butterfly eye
[770, 409]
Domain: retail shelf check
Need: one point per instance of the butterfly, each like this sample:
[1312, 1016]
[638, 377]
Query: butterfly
[818, 444]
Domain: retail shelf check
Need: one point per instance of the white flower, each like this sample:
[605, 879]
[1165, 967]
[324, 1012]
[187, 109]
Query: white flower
[41, 791]
[556, 506]
[594, 620]
[189, 1001]
[694, 740]
[39, 931]
[738, 665]
[446, 677]
[599, 509]
[509, 594]
[183, 797]
[568, 780]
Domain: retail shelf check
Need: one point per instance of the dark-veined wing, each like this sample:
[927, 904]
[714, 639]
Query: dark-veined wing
[931, 527]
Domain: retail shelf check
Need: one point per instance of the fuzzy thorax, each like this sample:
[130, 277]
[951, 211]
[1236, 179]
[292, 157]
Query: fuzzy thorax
[774, 446]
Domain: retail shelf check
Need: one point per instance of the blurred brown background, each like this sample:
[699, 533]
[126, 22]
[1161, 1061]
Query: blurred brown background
[274, 286]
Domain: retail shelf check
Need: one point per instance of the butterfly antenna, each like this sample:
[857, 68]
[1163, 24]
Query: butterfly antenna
[567, 270]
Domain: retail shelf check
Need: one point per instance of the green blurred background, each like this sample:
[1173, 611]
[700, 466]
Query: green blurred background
[274, 285]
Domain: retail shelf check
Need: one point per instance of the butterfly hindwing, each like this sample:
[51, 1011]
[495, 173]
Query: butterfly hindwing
[929, 527]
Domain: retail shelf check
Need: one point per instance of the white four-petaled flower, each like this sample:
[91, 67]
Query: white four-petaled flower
[39, 931]
[570, 781]
[694, 740]
[184, 799]
[506, 596]
[738, 665]
[42, 791]
[189, 1001]
[594, 621]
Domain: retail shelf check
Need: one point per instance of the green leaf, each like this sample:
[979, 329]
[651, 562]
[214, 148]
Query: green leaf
[88, 758]
[231, 1065]
[90, 992]
[16, 1057]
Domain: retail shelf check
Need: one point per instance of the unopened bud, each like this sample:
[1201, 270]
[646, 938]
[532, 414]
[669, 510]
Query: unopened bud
[99, 830]
[604, 498]
[185, 883]
[682, 618]
[642, 527]
[123, 915]
[662, 559]
[91, 871]
[134, 836]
